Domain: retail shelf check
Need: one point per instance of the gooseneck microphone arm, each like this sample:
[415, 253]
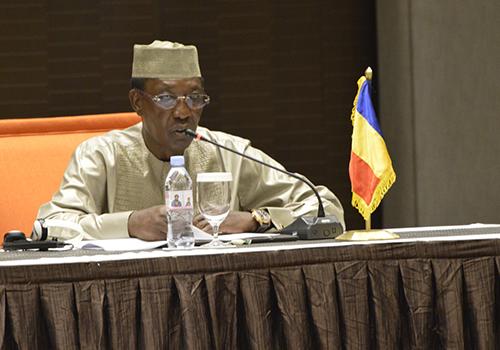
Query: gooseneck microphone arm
[198, 137]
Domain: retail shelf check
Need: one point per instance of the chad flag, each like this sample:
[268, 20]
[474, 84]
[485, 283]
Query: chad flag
[370, 167]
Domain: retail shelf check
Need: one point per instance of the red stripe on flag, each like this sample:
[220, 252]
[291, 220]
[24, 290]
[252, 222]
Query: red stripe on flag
[363, 180]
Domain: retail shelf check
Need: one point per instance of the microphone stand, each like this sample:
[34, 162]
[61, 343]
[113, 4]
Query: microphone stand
[319, 227]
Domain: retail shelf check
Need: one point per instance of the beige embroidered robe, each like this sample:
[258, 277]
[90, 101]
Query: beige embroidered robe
[110, 176]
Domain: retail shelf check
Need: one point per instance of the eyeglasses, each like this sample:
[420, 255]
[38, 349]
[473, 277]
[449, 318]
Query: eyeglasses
[168, 101]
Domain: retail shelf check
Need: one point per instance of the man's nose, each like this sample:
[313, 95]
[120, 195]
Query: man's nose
[181, 109]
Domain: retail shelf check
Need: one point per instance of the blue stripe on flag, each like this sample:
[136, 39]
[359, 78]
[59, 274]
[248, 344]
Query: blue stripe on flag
[365, 107]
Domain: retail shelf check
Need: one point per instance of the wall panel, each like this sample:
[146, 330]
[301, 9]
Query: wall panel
[440, 107]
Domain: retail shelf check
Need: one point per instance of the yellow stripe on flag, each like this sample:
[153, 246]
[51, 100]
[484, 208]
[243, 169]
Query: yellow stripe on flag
[370, 146]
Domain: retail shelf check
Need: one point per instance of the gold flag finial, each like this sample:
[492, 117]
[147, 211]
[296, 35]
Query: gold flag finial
[368, 73]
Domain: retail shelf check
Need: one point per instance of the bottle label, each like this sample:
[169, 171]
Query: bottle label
[179, 199]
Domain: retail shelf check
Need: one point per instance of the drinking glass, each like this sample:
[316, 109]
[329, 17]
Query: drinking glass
[213, 194]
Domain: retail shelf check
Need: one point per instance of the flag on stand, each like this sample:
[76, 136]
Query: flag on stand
[370, 167]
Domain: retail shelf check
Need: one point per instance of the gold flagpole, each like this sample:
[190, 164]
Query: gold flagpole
[368, 73]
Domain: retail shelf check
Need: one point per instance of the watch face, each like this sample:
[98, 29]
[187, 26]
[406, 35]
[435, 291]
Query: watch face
[266, 216]
[262, 216]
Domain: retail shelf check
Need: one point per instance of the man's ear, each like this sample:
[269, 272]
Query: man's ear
[135, 101]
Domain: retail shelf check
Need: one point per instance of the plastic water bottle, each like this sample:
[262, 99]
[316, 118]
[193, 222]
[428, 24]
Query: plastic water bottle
[179, 204]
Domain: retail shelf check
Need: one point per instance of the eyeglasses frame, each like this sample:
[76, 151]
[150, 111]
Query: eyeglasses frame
[156, 99]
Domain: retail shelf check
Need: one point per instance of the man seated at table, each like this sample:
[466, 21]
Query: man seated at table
[113, 186]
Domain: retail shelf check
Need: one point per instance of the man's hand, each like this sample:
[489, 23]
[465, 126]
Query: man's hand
[148, 224]
[236, 222]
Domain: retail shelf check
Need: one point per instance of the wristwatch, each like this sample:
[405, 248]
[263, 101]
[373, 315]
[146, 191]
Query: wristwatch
[263, 219]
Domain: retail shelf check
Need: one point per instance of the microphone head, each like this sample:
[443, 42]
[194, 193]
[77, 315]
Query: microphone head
[190, 132]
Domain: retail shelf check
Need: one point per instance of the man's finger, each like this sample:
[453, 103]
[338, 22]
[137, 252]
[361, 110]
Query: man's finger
[200, 223]
[206, 227]
[198, 218]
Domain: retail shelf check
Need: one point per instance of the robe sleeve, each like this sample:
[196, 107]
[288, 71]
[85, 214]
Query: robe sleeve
[284, 197]
[82, 198]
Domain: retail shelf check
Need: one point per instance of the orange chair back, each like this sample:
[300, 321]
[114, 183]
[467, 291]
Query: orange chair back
[34, 154]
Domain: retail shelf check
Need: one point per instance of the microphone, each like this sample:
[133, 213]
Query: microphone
[319, 227]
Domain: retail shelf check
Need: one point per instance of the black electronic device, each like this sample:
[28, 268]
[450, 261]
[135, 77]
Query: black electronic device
[14, 236]
[16, 240]
[318, 227]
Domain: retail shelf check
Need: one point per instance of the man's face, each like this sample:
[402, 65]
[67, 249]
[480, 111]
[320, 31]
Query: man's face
[161, 125]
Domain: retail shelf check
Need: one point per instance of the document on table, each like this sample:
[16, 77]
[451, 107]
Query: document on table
[120, 244]
[128, 244]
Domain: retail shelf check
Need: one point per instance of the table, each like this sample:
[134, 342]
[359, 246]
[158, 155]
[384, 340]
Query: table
[307, 295]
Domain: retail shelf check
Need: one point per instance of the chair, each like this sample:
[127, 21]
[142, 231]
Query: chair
[34, 154]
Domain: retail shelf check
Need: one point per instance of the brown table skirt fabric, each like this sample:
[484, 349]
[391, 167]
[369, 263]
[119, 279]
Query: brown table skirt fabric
[322, 298]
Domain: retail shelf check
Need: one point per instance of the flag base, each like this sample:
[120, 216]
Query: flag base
[367, 235]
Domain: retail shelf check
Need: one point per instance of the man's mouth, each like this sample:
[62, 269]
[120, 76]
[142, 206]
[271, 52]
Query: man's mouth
[180, 134]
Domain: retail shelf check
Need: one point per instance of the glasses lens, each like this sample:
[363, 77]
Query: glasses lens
[197, 101]
[166, 101]
[194, 101]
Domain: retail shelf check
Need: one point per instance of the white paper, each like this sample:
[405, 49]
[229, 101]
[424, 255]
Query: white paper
[131, 244]
[121, 244]
[203, 236]
[245, 235]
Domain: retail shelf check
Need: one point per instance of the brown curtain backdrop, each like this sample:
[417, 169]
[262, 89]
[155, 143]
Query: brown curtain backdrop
[281, 73]
[399, 296]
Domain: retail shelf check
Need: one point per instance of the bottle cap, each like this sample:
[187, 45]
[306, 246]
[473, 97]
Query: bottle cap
[177, 161]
